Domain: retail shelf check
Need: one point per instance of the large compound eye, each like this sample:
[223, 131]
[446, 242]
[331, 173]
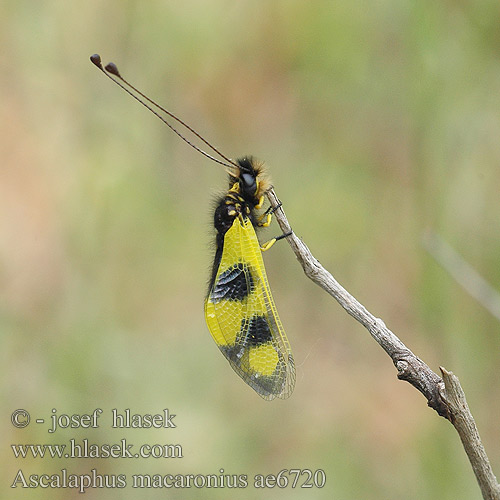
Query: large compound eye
[249, 184]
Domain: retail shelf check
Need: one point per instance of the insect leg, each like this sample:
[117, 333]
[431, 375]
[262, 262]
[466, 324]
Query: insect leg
[267, 215]
[268, 244]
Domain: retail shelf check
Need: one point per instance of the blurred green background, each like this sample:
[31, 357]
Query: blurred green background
[378, 121]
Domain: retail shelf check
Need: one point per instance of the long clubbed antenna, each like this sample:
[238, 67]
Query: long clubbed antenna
[112, 69]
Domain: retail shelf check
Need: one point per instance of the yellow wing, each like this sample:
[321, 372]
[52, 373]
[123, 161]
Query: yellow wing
[242, 317]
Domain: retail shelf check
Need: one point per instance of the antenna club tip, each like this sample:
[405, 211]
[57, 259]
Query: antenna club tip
[96, 59]
[113, 69]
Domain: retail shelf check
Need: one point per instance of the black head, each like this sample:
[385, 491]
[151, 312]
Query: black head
[248, 176]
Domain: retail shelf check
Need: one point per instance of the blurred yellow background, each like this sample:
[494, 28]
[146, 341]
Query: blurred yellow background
[378, 121]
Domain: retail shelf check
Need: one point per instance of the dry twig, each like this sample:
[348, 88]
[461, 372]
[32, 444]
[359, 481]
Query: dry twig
[445, 396]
